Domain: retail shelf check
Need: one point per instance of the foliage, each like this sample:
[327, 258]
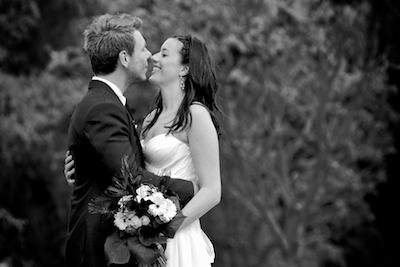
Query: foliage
[33, 125]
[31, 29]
[314, 136]
[10, 236]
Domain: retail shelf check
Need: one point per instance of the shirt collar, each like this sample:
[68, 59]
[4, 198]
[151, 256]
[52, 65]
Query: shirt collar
[115, 88]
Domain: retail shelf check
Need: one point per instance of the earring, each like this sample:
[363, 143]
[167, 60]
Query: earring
[182, 83]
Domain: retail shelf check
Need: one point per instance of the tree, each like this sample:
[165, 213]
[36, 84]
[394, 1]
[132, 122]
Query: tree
[31, 30]
[34, 115]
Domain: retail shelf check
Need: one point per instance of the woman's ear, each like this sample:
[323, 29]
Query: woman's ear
[184, 70]
[123, 58]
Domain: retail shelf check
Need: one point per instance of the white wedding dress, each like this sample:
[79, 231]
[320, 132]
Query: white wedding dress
[190, 247]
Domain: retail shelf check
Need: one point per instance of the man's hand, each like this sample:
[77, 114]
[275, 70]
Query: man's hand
[69, 168]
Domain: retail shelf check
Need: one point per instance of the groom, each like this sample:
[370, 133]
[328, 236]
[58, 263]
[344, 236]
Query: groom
[102, 131]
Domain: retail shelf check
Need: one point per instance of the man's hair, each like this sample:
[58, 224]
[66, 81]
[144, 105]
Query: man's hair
[106, 37]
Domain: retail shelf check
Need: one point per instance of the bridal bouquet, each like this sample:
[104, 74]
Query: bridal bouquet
[144, 216]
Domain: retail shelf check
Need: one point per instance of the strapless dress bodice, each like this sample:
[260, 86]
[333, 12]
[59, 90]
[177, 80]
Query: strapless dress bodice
[167, 155]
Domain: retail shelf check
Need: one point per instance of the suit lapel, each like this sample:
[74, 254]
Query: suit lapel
[135, 141]
[133, 135]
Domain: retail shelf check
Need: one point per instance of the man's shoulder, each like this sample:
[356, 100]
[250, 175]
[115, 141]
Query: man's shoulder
[95, 102]
[97, 97]
[99, 93]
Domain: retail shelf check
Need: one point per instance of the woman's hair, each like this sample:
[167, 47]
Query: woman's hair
[200, 86]
[106, 37]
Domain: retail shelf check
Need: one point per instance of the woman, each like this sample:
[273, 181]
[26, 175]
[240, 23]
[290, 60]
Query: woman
[180, 136]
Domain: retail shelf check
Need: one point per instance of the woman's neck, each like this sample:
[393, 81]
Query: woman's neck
[172, 97]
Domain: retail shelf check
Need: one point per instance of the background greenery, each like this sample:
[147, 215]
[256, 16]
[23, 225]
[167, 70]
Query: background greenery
[304, 87]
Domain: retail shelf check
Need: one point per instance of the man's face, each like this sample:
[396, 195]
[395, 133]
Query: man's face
[138, 63]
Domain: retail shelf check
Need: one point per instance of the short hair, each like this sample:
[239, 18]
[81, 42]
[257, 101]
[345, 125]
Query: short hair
[106, 37]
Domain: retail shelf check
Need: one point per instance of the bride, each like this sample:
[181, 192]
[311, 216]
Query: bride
[180, 137]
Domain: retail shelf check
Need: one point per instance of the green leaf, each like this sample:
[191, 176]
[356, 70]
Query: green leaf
[147, 237]
[144, 255]
[116, 250]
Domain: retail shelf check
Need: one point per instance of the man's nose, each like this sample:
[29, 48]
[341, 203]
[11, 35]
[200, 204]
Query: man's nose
[155, 57]
[148, 54]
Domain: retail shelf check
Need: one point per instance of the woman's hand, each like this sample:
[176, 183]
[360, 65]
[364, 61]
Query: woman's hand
[69, 168]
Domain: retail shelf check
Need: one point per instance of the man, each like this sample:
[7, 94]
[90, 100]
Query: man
[102, 132]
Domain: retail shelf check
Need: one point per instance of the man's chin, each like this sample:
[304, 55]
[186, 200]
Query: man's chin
[137, 79]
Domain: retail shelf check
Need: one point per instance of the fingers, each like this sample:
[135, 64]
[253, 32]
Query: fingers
[69, 164]
[70, 181]
[69, 170]
[69, 176]
[68, 159]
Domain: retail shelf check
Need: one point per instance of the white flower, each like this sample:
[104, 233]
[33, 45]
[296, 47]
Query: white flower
[136, 222]
[142, 192]
[169, 211]
[154, 210]
[123, 200]
[121, 220]
[157, 198]
[164, 208]
[145, 220]
[126, 220]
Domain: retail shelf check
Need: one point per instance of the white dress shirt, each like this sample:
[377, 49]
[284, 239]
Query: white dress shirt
[115, 88]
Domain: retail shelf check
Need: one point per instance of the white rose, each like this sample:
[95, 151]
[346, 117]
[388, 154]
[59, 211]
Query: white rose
[142, 192]
[169, 211]
[153, 210]
[120, 221]
[135, 222]
[145, 220]
[157, 198]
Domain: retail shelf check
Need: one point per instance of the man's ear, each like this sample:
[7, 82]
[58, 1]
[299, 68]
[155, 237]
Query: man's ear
[123, 58]
[184, 70]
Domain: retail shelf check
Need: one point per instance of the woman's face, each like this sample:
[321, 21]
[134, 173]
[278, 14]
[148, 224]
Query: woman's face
[167, 63]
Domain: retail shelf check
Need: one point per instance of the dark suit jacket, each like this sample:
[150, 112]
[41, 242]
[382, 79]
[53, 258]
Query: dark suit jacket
[101, 132]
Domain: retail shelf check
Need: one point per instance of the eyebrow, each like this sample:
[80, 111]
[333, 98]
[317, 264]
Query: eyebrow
[164, 50]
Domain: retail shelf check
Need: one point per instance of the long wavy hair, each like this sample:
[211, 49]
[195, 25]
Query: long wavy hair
[200, 86]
